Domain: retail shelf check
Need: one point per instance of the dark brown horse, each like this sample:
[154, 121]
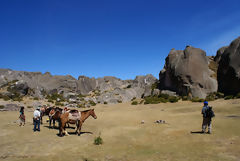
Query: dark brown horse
[74, 117]
[54, 114]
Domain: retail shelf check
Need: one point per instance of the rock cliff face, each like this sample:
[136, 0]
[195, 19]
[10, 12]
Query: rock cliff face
[229, 69]
[186, 72]
[107, 89]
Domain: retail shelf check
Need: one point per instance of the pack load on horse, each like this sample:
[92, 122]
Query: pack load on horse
[74, 117]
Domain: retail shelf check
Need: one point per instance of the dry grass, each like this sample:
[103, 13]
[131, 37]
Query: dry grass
[126, 139]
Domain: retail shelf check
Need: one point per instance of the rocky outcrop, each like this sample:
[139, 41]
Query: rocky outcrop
[107, 89]
[186, 72]
[229, 69]
[219, 54]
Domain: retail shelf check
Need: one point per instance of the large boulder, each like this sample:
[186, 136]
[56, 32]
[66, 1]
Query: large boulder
[229, 69]
[186, 72]
[220, 51]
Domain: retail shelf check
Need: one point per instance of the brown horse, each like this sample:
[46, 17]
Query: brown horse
[54, 114]
[74, 117]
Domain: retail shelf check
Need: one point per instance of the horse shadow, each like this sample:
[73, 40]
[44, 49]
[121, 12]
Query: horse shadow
[197, 132]
[74, 133]
[56, 127]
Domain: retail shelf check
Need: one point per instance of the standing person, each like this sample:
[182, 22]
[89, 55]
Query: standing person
[22, 116]
[207, 113]
[36, 119]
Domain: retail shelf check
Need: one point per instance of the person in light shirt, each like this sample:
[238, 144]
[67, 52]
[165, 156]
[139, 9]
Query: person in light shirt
[36, 119]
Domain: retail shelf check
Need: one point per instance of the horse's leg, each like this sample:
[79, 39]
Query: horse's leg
[76, 127]
[50, 121]
[79, 127]
[41, 119]
[53, 123]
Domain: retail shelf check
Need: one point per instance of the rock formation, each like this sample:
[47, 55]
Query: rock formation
[107, 89]
[186, 72]
[229, 69]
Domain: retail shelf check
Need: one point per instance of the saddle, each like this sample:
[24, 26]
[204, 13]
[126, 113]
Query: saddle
[74, 115]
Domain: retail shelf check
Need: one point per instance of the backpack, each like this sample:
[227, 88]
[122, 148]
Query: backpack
[209, 112]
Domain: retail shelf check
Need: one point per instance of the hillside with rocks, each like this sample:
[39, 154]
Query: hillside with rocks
[187, 73]
[75, 91]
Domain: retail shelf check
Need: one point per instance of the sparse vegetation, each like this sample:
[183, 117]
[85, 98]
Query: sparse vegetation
[35, 98]
[59, 104]
[133, 98]
[119, 101]
[173, 99]
[92, 103]
[51, 101]
[1, 106]
[196, 99]
[141, 102]
[184, 98]
[155, 85]
[229, 97]
[134, 103]
[238, 95]
[98, 140]
[55, 97]
[29, 106]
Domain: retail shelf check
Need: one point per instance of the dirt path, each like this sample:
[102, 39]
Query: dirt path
[125, 138]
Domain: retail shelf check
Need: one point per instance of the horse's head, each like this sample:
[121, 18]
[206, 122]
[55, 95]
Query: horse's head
[92, 113]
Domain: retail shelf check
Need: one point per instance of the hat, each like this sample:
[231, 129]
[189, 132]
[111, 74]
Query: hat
[205, 103]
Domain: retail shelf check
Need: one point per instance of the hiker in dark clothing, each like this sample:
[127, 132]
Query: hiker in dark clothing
[22, 117]
[207, 113]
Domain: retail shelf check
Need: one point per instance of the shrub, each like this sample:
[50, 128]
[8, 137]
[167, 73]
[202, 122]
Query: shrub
[55, 97]
[210, 97]
[196, 99]
[81, 96]
[165, 96]
[59, 104]
[1, 106]
[173, 99]
[19, 99]
[238, 95]
[29, 106]
[119, 101]
[133, 98]
[141, 102]
[6, 98]
[184, 98]
[155, 85]
[219, 95]
[105, 103]
[98, 140]
[154, 100]
[228, 97]
[129, 86]
[134, 103]
[51, 101]
[35, 98]
[92, 103]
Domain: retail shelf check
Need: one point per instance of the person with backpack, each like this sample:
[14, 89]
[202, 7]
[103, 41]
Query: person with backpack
[208, 114]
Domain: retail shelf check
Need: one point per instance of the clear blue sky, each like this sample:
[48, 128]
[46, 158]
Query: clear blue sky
[121, 38]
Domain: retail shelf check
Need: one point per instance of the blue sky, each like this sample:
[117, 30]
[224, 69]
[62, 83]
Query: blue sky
[121, 38]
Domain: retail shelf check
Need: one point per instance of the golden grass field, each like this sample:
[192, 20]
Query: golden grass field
[125, 138]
